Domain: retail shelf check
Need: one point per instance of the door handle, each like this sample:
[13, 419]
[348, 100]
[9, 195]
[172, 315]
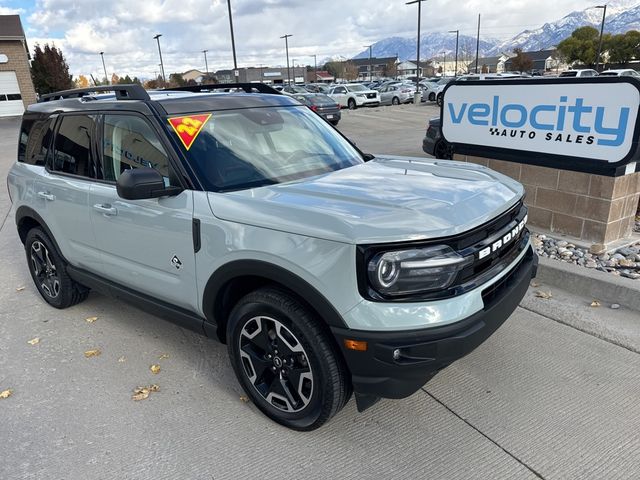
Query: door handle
[106, 209]
[47, 196]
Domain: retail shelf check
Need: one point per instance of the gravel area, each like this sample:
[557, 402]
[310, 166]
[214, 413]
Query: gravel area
[625, 261]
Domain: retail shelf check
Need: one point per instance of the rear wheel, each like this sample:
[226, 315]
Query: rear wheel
[443, 150]
[439, 100]
[335, 122]
[395, 101]
[285, 361]
[351, 104]
[49, 273]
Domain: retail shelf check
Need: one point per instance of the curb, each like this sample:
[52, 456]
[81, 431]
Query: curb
[590, 282]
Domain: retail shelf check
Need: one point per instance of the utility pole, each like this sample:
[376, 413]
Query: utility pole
[604, 14]
[416, 99]
[315, 68]
[293, 68]
[104, 68]
[370, 66]
[444, 64]
[164, 79]
[206, 65]
[457, 32]
[478, 43]
[233, 43]
[286, 45]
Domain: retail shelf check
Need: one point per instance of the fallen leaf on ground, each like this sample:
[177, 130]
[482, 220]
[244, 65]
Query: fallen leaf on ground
[122, 360]
[164, 356]
[545, 295]
[535, 284]
[155, 368]
[34, 341]
[19, 289]
[243, 399]
[141, 393]
[595, 303]
[91, 319]
[6, 393]
[92, 353]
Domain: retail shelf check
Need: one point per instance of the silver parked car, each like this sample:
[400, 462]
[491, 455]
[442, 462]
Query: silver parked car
[397, 93]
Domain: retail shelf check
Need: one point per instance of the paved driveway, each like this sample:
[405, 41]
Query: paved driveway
[538, 400]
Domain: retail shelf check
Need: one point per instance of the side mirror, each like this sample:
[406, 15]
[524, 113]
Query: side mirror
[141, 183]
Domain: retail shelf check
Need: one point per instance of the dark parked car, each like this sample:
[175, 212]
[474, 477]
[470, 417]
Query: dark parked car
[433, 143]
[323, 105]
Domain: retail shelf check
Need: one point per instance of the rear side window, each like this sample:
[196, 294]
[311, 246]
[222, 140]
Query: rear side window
[72, 147]
[35, 140]
[130, 142]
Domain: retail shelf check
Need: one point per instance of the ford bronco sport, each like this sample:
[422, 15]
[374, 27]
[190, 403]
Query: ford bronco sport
[245, 216]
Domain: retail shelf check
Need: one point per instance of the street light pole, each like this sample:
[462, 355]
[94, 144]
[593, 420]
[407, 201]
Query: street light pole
[104, 68]
[370, 66]
[233, 43]
[457, 32]
[604, 14]
[206, 65]
[444, 64]
[419, 2]
[286, 45]
[478, 43]
[315, 67]
[164, 79]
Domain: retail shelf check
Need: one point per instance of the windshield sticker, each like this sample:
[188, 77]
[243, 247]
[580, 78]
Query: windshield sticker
[188, 128]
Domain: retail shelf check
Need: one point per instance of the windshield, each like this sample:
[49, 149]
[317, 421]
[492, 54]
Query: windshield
[608, 74]
[356, 88]
[252, 147]
[569, 74]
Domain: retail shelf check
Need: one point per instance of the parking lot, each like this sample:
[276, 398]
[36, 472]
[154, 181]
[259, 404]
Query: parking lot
[539, 399]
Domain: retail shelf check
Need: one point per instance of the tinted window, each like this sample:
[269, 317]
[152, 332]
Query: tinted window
[35, 140]
[14, 96]
[72, 148]
[130, 142]
[568, 74]
[340, 90]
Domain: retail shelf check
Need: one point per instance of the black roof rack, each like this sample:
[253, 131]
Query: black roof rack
[247, 87]
[123, 92]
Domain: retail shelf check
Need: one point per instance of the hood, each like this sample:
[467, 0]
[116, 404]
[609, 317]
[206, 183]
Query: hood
[389, 199]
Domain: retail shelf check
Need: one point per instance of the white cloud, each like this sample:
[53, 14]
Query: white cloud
[11, 11]
[124, 29]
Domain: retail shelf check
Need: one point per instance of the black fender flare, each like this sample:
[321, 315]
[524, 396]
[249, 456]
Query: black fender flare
[269, 272]
[25, 212]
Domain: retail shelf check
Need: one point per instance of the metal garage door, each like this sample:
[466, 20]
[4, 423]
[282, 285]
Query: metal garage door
[10, 98]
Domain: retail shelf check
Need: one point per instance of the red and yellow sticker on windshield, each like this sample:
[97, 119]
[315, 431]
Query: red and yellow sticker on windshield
[187, 128]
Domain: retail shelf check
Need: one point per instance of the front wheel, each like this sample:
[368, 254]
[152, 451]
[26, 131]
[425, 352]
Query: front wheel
[439, 100]
[351, 104]
[443, 150]
[286, 363]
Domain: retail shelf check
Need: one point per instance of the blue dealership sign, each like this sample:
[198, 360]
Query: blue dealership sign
[588, 124]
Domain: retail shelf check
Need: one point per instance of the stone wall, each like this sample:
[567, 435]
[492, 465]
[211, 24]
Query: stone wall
[19, 63]
[592, 208]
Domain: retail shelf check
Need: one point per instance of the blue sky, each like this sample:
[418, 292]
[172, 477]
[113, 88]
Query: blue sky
[124, 29]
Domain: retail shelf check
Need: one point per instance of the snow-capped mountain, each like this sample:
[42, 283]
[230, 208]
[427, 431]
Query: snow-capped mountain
[432, 45]
[622, 15]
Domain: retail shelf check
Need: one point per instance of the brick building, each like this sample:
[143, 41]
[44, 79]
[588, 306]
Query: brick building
[16, 86]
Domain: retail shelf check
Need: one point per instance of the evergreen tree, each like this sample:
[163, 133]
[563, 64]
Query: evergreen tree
[49, 70]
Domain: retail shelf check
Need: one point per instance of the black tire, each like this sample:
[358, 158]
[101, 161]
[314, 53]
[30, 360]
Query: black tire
[439, 100]
[274, 343]
[395, 101]
[49, 272]
[351, 104]
[442, 150]
[335, 122]
[432, 96]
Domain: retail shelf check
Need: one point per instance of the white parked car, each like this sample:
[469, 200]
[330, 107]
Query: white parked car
[354, 95]
[622, 72]
[431, 90]
[585, 72]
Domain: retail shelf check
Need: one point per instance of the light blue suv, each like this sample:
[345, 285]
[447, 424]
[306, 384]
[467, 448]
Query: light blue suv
[245, 216]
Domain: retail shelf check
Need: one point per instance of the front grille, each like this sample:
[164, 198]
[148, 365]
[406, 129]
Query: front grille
[371, 95]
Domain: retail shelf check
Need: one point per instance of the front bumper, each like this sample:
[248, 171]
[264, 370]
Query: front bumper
[420, 354]
[429, 145]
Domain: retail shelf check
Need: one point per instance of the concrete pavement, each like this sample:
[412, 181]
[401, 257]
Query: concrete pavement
[540, 399]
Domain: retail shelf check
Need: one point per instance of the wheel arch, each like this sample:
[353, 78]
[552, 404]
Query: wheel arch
[232, 281]
[26, 219]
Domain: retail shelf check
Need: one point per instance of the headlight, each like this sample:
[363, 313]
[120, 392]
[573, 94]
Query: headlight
[362, 95]
[403, 272]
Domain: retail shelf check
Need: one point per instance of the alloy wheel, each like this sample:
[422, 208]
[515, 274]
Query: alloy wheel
[276, 364]
[44, 269]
